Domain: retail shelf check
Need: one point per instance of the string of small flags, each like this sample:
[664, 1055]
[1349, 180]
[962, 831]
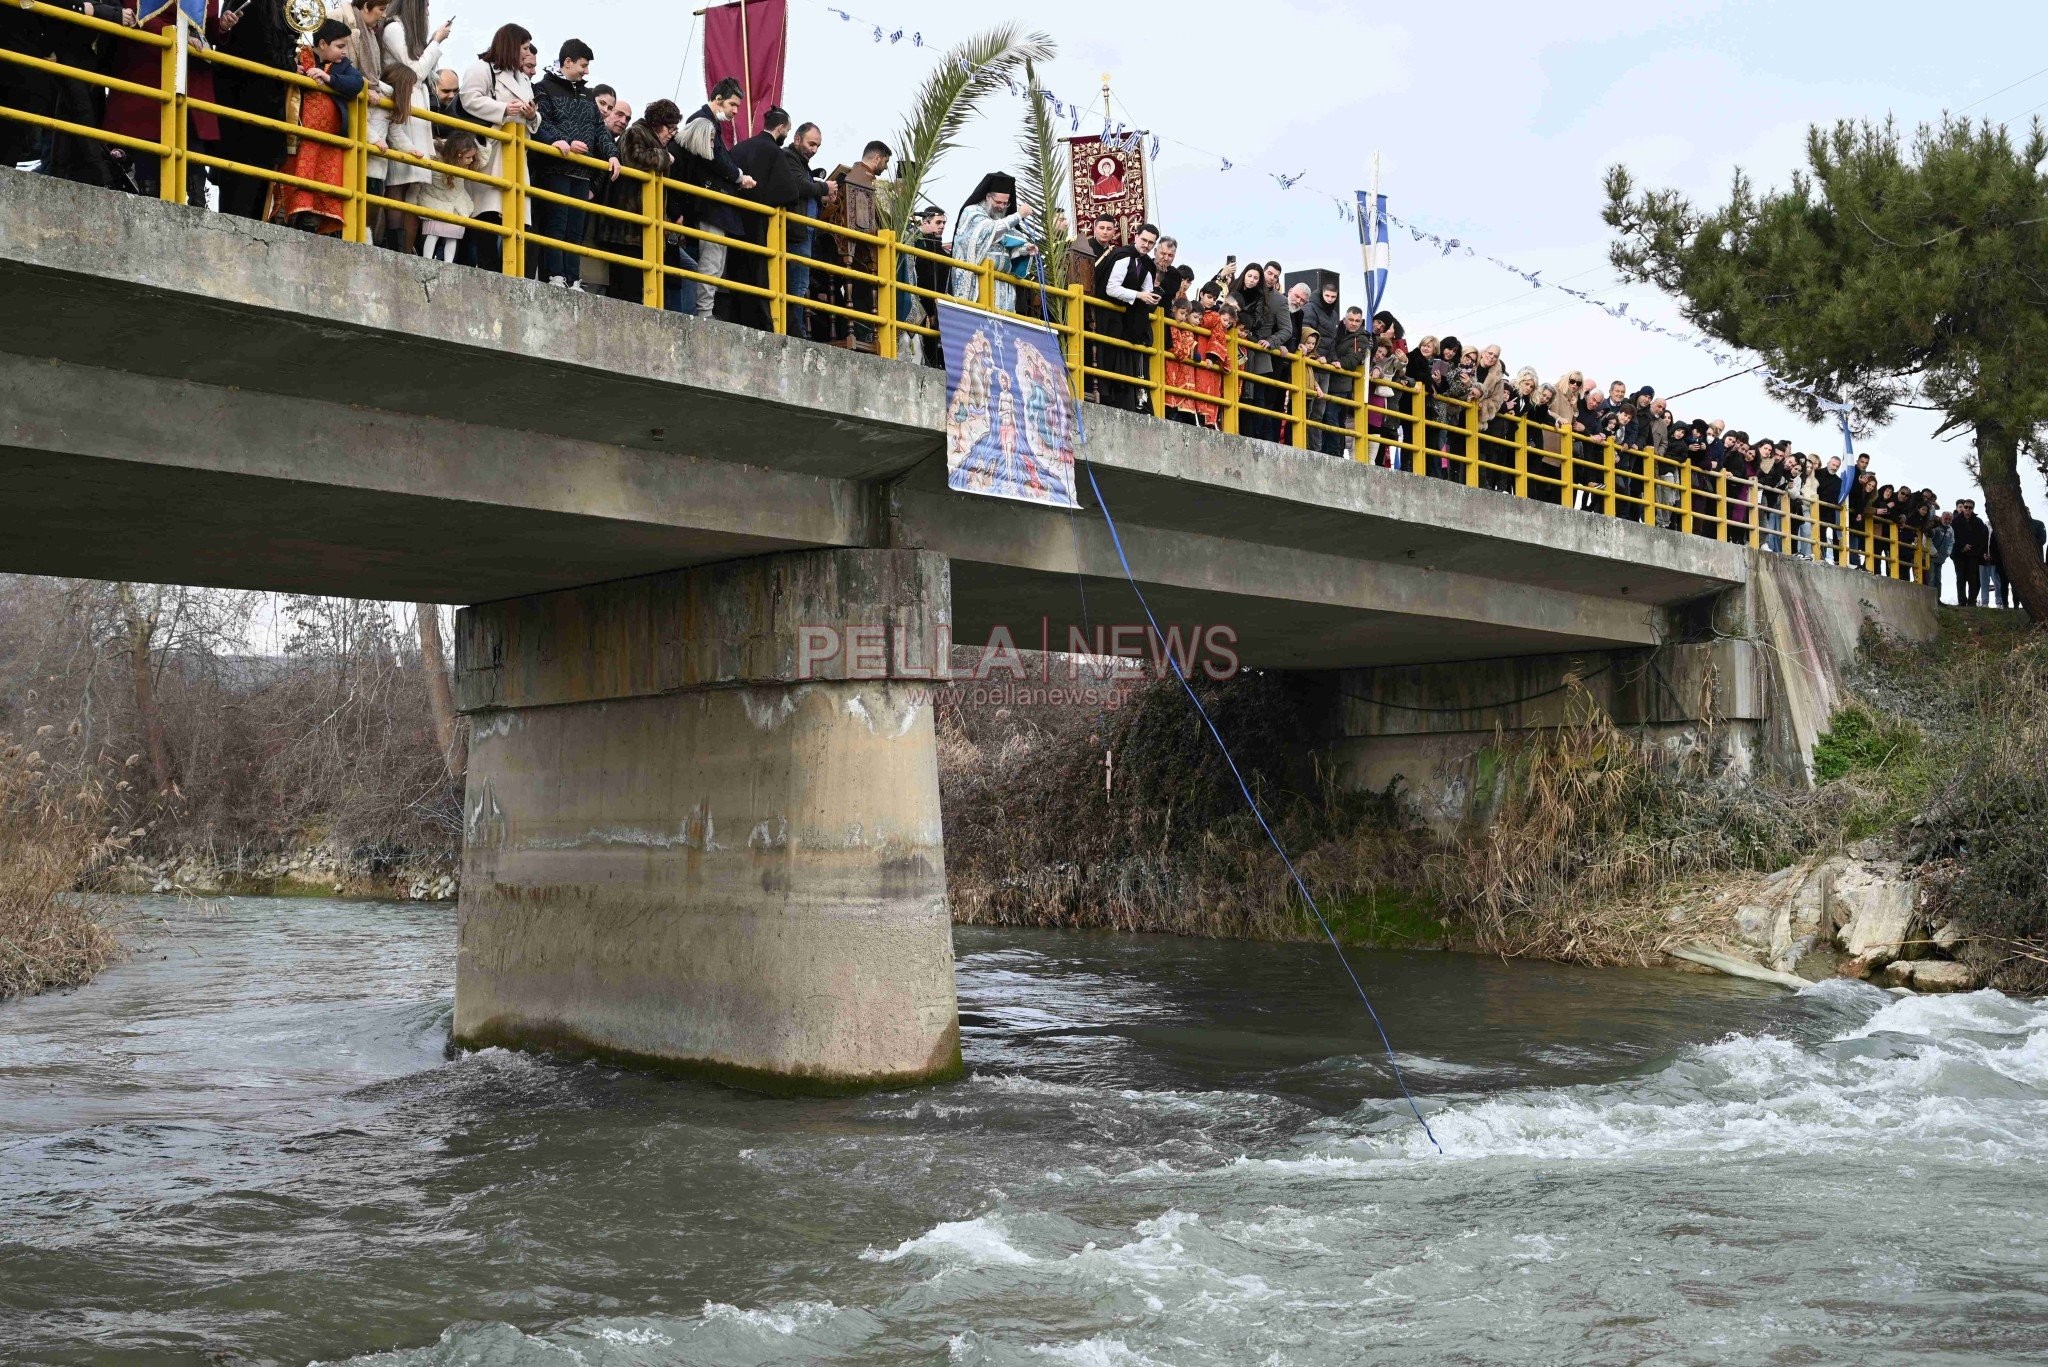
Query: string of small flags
[1117, 135]
[1728, 360]
[1121, 137]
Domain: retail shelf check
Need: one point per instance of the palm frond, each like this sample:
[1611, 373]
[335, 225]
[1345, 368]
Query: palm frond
[1043, 175]
[964, 77]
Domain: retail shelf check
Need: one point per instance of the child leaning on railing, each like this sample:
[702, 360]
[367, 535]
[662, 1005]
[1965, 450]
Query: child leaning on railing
[448, 194]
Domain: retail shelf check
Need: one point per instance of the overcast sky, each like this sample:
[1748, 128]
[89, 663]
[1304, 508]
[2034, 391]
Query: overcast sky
[1494, 124]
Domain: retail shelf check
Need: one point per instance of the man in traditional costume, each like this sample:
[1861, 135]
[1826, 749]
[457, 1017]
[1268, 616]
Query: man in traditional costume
[1082, 254]
[856, 204]
[978, 235]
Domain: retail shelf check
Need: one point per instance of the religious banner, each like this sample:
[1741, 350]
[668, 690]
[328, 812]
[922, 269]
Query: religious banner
[1109, 178]
[1010, 419]
[195, 10]
[747, 41]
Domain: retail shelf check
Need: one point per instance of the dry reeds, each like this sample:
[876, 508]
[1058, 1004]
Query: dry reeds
[1041, 831]
[1591, 828]
[50, 837]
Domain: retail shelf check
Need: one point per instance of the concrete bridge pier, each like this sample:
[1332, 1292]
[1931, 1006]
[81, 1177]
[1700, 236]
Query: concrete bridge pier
[702, 822]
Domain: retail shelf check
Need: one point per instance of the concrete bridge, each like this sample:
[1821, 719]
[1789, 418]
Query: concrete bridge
[688, 838]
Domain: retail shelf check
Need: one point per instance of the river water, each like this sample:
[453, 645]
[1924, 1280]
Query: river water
[245, 1143]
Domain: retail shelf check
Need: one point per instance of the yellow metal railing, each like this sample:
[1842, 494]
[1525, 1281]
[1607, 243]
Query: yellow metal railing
[1244, 387]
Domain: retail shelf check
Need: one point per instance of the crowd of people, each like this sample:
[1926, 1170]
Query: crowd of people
[1436, 407]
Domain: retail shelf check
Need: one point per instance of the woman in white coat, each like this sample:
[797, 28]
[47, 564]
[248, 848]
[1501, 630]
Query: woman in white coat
[497, 89]
[409, 45]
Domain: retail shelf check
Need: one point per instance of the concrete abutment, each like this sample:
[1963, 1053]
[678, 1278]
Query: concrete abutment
[700, 833]
[1748, 677]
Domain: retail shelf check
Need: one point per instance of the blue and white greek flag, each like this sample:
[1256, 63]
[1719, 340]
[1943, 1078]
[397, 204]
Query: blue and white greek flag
[1372, 236]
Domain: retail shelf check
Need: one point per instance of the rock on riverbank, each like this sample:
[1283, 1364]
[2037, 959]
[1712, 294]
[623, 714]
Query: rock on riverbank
[310, 871]
[1848, 916]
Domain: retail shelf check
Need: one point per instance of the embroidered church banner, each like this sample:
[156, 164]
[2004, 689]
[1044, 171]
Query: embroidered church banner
[1108, 179]
[746, 41]
[1010, 419]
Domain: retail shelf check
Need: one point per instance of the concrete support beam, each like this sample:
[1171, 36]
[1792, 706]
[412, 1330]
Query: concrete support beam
[1428, 728]
[1717, 680]
[318, 496]
[699, 835]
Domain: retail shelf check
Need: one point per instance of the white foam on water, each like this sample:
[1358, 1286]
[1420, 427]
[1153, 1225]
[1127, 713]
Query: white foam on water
[1218, 1105]
[786, 1320]
[473, 1343]
[1936, 1016]
[1967, 1074]
[1288, 1230]
[980, 1242]
[1100, 1351]
[1156, 1251]
[1017, 1084]
[638, 1337]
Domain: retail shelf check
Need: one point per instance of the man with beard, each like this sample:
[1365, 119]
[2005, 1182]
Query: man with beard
[990, 223]
[856, 204]
[813, 190]
[1081, 258]
[1129, 276]
[447, 97]
[1282, 339]
[777, 185]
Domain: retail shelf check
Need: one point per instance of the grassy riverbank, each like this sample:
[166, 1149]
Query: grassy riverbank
[1942, 760]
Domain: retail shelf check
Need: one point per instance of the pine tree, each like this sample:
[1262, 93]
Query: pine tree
[1888, 276]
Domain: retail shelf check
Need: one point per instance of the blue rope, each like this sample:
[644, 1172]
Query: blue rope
[1081, 435]
[1252, 802]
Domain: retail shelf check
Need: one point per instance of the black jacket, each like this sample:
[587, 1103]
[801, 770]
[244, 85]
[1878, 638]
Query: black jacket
[568, 113]
[778, 181]
[1640, 431]
[702, 161]
[1129, 269]
[1973, 537]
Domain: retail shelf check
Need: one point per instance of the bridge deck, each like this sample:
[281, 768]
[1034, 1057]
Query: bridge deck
[190, 397]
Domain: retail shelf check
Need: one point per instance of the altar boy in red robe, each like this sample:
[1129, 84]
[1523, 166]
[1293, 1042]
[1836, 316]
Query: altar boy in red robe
[325, 61]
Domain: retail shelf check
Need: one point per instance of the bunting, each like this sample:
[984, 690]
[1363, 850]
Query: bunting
[1843, 413]
[1120, 139]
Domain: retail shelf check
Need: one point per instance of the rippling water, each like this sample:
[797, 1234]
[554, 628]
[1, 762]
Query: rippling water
[245, 1144]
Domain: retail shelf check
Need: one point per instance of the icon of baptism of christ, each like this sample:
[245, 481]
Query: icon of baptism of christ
[1010, 420]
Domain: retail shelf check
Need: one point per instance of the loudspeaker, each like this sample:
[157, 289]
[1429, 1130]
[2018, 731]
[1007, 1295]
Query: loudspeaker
[1315, 279]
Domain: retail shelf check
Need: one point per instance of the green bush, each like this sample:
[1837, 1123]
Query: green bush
[1859, 740]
